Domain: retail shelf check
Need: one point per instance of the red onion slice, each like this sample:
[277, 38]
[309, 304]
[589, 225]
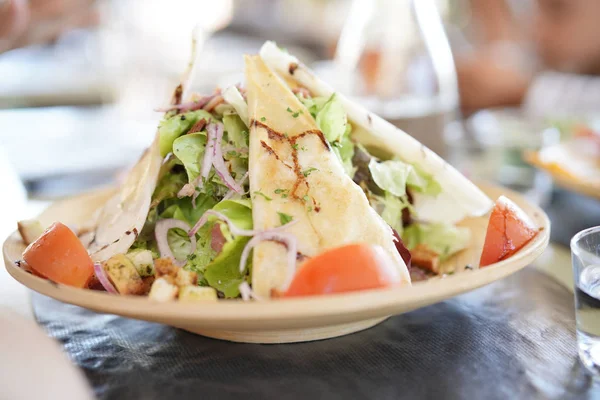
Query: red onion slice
[103, 278]
[285, 238]
[240, 182]
[247, 292]
[189, 189]
[209, 153]
[161, 230]
[219, 162]
[232, 228]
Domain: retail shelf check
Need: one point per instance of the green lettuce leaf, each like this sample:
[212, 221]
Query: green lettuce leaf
[444, 239]
[184, 210]
[168, 186]
[204, 254]
[174, 126]
[237, 132]
[239, 213]
[394, 176]
[180, 244]
[332, 119]
[391, 175]
[190, 150]
[223, 273]
[422, 182]
[314, 104]
[146, 239]
[390, 208]
[344, 149]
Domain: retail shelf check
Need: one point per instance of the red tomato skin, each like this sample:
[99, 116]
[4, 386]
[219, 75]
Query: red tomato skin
[58, 255]
[344, 269]
[509, 229]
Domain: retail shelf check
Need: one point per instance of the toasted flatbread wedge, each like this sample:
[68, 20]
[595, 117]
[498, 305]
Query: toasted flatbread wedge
[119, 222]
[459, 197]
[294, 174]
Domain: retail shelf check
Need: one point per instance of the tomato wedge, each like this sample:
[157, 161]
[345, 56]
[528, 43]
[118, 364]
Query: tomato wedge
[58, 255]
[509, 229]
[345, 269]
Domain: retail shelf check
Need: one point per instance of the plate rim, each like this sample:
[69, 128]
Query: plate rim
[295, 311]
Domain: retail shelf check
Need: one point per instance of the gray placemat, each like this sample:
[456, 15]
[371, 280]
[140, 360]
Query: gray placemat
[513, 339]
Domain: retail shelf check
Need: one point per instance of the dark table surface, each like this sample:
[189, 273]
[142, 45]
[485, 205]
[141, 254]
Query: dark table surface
[513, 339]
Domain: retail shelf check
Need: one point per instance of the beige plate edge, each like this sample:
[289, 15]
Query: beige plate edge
[288, 320]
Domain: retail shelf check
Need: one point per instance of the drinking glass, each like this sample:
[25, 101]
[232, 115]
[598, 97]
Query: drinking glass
[393, 56]
[585, 251]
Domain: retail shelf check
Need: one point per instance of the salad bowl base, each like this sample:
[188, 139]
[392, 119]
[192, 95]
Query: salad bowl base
[287, 335]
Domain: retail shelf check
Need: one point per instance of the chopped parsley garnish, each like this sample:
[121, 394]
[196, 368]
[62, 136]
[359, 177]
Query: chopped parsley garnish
[303, 148]
[305, 197]
[282, 192]
[233, 153]
[263, 119]
[308, 171]
[285, 135]
[295, 146]
[256, 192]
[295, 114]
[284, 218]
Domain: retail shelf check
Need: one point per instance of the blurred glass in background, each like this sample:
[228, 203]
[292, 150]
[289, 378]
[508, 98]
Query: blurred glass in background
[394, 57]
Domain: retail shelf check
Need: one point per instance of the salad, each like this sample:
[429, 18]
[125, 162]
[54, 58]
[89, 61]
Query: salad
[277, 188]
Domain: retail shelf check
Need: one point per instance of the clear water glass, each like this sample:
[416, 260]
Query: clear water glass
[585, 252]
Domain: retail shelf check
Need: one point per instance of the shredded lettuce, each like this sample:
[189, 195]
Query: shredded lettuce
[395, 176]
[390, 176]
[422, 182]
[332, 120]
[444, 239]
[174, 126]
[390, 208]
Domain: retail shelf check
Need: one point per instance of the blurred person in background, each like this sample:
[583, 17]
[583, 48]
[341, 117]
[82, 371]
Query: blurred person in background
[25, 22]
[560, 75]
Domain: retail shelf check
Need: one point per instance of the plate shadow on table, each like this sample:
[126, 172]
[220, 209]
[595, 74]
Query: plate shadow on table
[512, 339]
